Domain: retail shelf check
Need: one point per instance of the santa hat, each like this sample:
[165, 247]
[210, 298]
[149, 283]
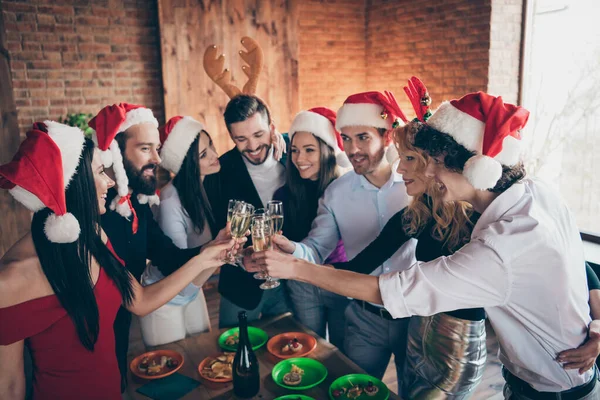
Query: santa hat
[111, 121]
[379, 110]
[320, 121]
[40, 173]
[487, 126]
[176, 136]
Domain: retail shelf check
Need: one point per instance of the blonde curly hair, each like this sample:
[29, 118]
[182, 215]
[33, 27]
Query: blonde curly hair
[452, 223]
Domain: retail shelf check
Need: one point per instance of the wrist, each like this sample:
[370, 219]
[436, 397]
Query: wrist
[299, 269]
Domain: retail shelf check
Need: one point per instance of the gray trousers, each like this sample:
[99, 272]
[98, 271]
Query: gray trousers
[510, 394]
[371, 340]
[273, 302]
[319, 310]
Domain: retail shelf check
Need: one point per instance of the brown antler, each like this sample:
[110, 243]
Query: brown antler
[213, 66]
[254, 58]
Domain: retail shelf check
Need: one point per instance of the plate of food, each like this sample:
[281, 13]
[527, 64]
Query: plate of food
[156, 364]
[217, 368]
[291, 344]
[294, 397]
[299, 373]
[229, 339]
[358, 386]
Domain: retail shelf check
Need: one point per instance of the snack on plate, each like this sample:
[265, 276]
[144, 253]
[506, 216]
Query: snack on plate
[220, 367]
[370, 389]
[293, 346]
[233, 340]
[157, 365]
[294, 377]
[144, 364]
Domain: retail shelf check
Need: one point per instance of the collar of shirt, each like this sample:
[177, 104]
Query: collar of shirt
[269, 163]
[361, 182]
[500, 206]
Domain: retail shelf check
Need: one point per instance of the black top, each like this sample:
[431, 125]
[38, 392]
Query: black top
[234, 182]
[391, 238]
[134, 249]
[297, 227]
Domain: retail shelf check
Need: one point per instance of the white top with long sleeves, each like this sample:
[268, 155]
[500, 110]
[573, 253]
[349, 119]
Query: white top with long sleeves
[175, 223]
[525, 266]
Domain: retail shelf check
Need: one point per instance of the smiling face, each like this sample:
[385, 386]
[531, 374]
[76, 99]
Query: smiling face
[450, 185]
[252, 137]
[101, 181]
[141, 158]
[207, 155]
[365, 147]
[306, 155]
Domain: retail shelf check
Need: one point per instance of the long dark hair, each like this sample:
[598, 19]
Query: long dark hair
[303, 199]
[437, 143]
[191, 190]
[67, 266]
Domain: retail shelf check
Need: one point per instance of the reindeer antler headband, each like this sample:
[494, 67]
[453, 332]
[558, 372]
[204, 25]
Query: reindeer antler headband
[213, 65]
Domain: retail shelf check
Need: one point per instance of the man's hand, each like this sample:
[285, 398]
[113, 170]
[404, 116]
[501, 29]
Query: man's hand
[224, 233]
[278, 144]
[283, 244]
[583, 357]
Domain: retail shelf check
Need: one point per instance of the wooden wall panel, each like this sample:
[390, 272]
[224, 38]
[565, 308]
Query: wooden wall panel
[188, 27]
[14, 218]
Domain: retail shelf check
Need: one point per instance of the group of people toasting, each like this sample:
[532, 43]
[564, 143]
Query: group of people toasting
[433, 228]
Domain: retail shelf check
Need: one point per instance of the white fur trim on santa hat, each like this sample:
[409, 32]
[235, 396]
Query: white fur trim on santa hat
[318, 125]
[138, 116]
[391, 154]
[121, 209]
[362, 115]
[105, 155]
[465, 129]
[70, 142]
[511, 151]
[151, 200]
[342, 160]
[178, 143]
[119, 169]
[28, 199]
[482, 172]
[62, 228]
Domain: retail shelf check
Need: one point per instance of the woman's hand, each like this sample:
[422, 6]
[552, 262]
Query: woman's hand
[583, 357]
[225, 233]
[277, 264]
[214, 253]
[283, 244]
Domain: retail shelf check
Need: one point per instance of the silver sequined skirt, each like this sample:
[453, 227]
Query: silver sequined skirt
[445, 358]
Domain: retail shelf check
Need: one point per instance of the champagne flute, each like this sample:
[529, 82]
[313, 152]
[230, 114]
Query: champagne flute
[275, 210]
[231, 208]
[261, 236]
[240, 221]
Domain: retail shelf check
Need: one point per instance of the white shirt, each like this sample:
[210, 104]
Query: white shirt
[177, 225]
[267, 177]
[525, 266]
[355, 210]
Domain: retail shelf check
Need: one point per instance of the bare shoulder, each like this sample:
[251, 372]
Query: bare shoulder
[21, 275]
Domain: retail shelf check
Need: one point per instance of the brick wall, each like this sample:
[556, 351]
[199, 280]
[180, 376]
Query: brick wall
[505, 49]
[445, 43]
[332, 51]
[71, 56]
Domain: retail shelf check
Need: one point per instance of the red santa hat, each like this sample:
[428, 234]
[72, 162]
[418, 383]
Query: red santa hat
[176, 136]
[320, 121]
[40, 173]
[487, 126]
[379, 110]
[107, 124]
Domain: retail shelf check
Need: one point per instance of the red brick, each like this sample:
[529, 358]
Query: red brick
[18, 7]
[55, 84]
[56, 10]
[24, 17]
[92, 21]
[33, 74]
[40, 102]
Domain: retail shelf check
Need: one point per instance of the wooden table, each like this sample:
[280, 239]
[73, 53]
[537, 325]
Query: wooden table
[196, 348]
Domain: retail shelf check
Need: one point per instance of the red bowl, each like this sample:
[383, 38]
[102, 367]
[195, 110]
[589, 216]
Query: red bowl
[276, 343]
[152, 355]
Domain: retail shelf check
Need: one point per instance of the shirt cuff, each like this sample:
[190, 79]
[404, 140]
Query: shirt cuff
[298, 251]
[390, 288]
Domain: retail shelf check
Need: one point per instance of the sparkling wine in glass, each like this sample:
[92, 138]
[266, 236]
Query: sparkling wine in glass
[275, 210]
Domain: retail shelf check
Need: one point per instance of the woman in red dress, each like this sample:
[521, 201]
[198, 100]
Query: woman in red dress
[61, 285]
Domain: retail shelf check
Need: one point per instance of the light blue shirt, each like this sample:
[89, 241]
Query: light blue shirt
[354, 210]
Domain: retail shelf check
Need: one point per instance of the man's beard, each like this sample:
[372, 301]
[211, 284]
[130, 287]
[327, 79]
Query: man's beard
[137, 181]
[263, 146]
[373, 162]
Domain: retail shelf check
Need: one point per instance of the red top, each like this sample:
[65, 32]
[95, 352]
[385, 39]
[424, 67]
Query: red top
[63, 368]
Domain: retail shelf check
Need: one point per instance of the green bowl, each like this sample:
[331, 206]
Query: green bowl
[294, 397]
[359, 379]
[314, 372]
[257, 337]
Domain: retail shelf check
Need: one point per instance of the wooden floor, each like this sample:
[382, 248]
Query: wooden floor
[489, 389]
